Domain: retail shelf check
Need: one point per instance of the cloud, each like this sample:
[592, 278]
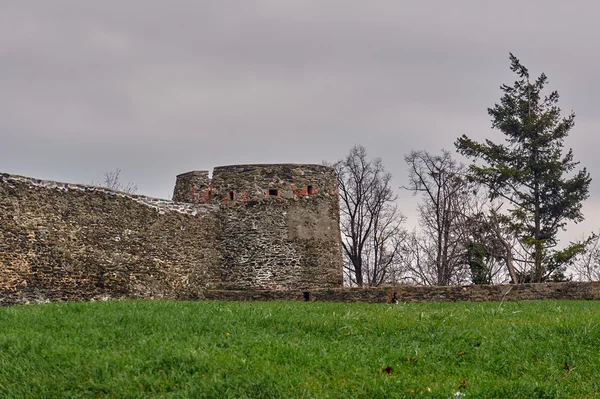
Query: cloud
[158, 88]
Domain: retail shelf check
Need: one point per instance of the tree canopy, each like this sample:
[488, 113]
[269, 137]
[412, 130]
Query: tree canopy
[370, 223]
[530, 171]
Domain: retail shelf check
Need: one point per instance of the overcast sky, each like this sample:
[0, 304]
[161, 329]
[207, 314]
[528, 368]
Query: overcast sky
[158, 88]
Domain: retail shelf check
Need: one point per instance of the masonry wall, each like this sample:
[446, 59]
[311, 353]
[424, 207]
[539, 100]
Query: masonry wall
[192, 187]
[410, 293]
[62, 241]
[273, 244]
[249, 227]
[77, 242]
[279, 224]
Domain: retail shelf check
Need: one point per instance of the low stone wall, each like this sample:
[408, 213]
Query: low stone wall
[408, 293]
[400, 294]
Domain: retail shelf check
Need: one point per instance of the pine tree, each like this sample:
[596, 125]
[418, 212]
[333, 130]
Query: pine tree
[531, 172]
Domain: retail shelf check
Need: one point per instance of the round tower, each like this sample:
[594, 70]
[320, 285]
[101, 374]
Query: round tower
[192, 187]
[279, 224]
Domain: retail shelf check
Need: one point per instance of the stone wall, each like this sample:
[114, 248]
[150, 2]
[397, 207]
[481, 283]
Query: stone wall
[275, 244]
[408, 293]
[288, 181]
[250, 227]
[192, 187]
[253, 232]
[279, 223]
[77, 242]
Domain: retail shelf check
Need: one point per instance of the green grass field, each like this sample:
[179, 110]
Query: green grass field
[139, 349]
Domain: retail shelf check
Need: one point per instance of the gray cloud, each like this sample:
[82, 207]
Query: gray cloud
[158, 88]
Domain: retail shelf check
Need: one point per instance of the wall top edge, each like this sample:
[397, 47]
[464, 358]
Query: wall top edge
[159, 204]
[276, 165]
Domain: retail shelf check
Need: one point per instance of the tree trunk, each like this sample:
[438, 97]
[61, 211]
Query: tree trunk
[538, 273]
[510, 265]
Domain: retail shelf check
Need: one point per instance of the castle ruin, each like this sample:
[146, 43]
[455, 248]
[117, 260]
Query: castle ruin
[250, 227]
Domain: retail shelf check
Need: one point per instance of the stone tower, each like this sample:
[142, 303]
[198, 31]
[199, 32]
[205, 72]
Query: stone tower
[279, 223]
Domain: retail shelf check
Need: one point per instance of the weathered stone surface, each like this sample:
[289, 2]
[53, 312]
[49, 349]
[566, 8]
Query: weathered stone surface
[408, 293]
[192, 187]
[278, 245]
[253, 232]
[252, 226]
[279, 225]
[74, 242]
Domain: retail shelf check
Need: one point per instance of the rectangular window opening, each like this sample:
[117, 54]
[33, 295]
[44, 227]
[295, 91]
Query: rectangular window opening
[231, 196]
[273, 193]
[311, 190]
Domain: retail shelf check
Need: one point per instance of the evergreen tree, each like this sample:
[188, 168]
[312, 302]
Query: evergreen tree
[531, 172]
[479, 270]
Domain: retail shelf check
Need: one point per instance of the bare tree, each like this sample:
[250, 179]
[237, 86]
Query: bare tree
[111, 180]
[491, 231]
[418, 259]
[464, 235]
[443, 215]
[587, 264]
[380, 263]
[370, 222]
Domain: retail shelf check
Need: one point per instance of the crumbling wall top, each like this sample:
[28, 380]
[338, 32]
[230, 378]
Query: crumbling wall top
[158, 204]
[260, 181]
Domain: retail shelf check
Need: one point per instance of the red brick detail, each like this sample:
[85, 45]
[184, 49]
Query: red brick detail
[271, 190]
[206, 194]
[334, 193]
[201, 196]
